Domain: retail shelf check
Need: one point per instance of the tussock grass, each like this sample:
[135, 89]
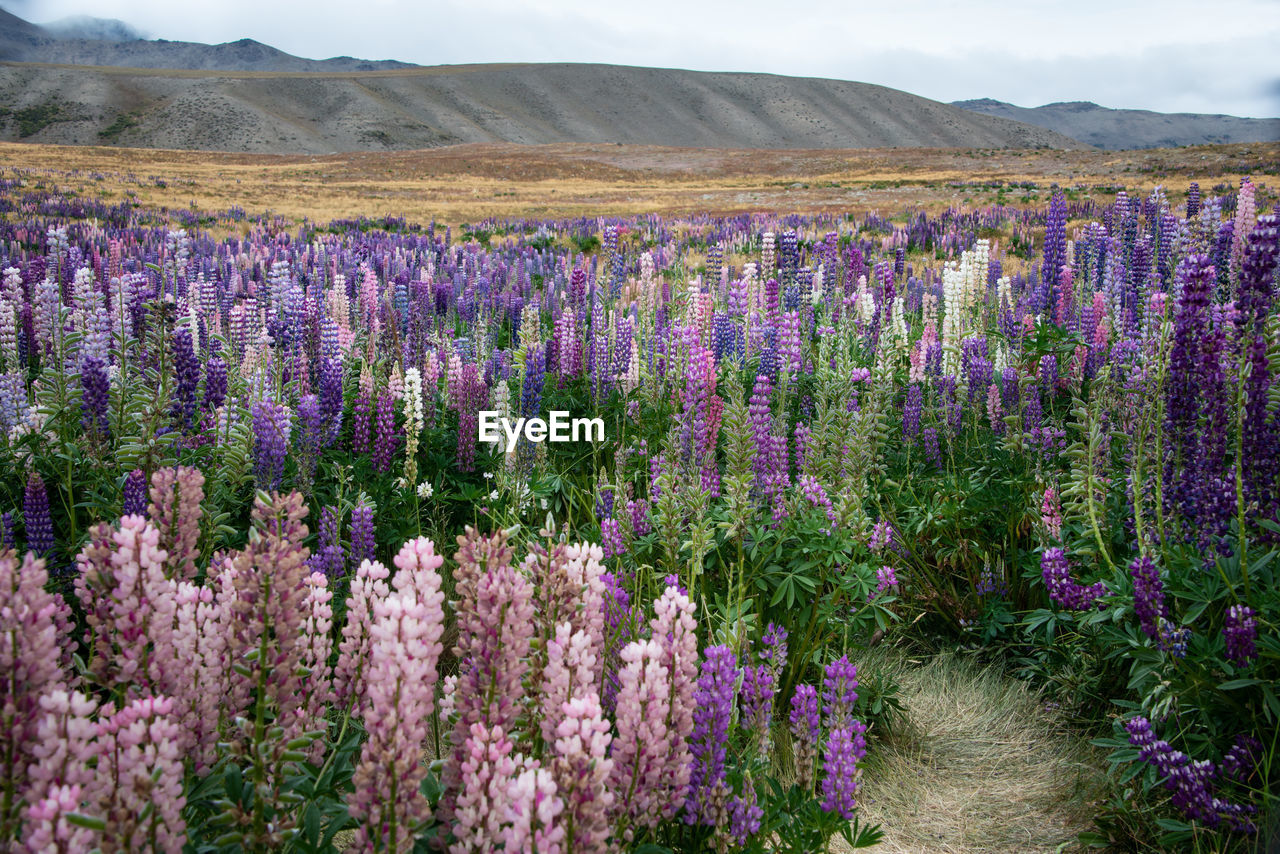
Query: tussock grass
[979, 765]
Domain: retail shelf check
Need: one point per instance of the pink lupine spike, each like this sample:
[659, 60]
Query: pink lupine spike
[644, 742]
[404, 650]
[368, 588]
[137, 784]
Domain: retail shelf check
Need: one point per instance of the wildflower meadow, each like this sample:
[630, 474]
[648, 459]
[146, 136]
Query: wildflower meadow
[267, 584]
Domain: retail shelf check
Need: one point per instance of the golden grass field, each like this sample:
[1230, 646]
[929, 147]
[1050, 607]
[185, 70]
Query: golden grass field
[470, 183]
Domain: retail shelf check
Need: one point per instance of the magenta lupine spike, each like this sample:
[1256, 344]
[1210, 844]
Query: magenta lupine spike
[570, 670]
[534, 810]
[137, 786]
[198, 642]
[317, 685]
[495, 613]
[129, 607]
[32, 622]
[49, 828]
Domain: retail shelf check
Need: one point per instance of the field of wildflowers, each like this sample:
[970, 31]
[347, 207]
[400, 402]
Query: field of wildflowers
[262, 588]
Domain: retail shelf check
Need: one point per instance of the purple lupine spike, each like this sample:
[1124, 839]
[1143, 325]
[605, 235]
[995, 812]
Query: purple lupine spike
[215, 382]
[1190, 781]
[135, 494]
[1240, 631]
[362, 533]
[1148, 596]
[806, 726]
[272, 427]
[96, 396]
[36, 516]
[385, 439]
[911, 412]
[839, 691]
[186, 368]
[331, 397]
[708, 792]
[1064, 590]
[846, 747]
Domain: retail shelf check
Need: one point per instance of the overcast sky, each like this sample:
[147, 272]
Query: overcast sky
[1166, 55]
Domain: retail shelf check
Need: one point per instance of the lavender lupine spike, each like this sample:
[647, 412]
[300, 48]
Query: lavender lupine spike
[134, 497]
[839, 691]
[846, 746]
[96, 396]
[707, 802]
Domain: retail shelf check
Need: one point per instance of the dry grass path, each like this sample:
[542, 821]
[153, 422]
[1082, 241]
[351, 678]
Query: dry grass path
[980, 765]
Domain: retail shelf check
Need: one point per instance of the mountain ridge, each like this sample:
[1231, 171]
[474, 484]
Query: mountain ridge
[1115, 129]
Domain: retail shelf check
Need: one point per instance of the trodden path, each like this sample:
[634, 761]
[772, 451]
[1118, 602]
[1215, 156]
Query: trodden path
[980, 765]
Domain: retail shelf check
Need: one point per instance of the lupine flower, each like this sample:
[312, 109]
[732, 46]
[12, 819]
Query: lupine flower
[806, 726]
[1064, 590]
[674, 629]
[717, 687]
[404, 648]
[757, 703]
[1148, 595]
[137, 786]
[176, 494]
[839, 684]
[534, 810]
[272, 427]
[362, 535]
[36, 517]
[1240, 630]
[881, 536]
[886, 580]
[773, 650]
[1189, 781]
[134, 496]
[846, 746]
[96, 398]
[744, 814]
[385, 439]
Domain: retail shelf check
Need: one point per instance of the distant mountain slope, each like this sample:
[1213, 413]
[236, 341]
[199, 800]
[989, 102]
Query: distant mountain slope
[1117, 129]
[93, 81]
[97, 41]
[429, 107]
